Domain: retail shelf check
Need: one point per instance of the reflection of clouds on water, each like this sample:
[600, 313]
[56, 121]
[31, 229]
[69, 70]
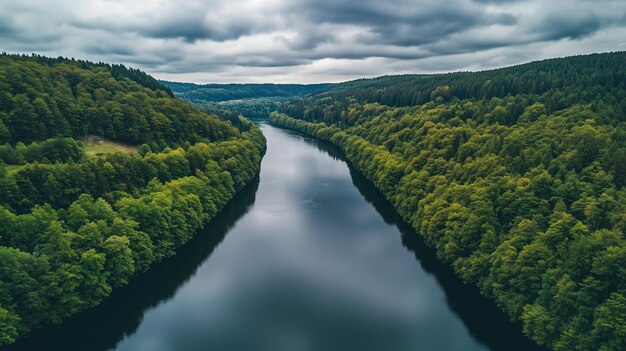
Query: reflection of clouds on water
[311, 203]
[312, 266]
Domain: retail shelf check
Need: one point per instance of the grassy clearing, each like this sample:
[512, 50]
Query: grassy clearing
[98, 146]
[93, 146]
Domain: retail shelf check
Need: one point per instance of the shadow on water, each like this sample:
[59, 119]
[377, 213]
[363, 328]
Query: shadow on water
[482, 318]
[102, 327]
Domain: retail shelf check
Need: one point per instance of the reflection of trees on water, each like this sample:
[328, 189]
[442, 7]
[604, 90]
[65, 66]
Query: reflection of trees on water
[121, 314]
[482, 318]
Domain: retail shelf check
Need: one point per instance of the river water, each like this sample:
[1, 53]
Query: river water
[308, 257]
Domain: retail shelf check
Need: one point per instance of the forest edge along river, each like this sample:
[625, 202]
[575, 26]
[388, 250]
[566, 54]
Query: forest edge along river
[310, 256]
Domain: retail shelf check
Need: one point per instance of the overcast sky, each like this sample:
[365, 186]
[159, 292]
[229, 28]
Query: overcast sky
[299, 41]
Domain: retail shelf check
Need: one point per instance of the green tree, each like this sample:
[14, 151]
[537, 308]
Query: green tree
[119, 263]
[94, 286]
[609, 325]
[8, 326]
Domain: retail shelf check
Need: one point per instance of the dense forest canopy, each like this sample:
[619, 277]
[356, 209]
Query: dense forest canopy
[75, 226]
[560, 82]
[515, 176]
[118, 71]
[43, 98]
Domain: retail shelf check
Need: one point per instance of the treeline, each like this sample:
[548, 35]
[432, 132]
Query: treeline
[119, 72]
[254, 101]
[201, 93]
[522, 194]
[56, 262]
[560, 83]
[72, 227]
[49, 151]
[111, 175]
[41, 99]
[253, 108]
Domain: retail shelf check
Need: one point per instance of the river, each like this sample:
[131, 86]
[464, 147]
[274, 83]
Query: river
[308, 257]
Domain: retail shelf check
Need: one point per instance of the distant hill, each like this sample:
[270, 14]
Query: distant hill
[254, 101]
[584, 77]
[196, 93]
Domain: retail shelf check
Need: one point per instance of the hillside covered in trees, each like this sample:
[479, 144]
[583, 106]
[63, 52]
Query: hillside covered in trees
[515, 176]
[74, 226]
[250, 100]
[224, 92]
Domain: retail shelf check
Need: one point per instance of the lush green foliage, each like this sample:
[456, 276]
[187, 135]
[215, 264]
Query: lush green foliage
[60, 98]
[48, 151]
[72, 228]
[560, 82]
[522, 191]
[119, 72]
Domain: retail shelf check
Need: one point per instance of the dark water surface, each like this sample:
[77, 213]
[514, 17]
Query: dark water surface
[309, 257]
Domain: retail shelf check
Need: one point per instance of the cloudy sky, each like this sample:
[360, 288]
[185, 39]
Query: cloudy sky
[307, 41]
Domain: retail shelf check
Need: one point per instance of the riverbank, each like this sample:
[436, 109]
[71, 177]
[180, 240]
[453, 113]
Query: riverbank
[312, 258]
[375, 163]
[95, 247]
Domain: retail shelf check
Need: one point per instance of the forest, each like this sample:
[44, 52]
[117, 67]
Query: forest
[255, 101]
[516, 177]
[76, 226]
[223, 92]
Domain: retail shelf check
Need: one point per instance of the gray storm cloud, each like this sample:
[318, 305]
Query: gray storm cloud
[310, 41]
